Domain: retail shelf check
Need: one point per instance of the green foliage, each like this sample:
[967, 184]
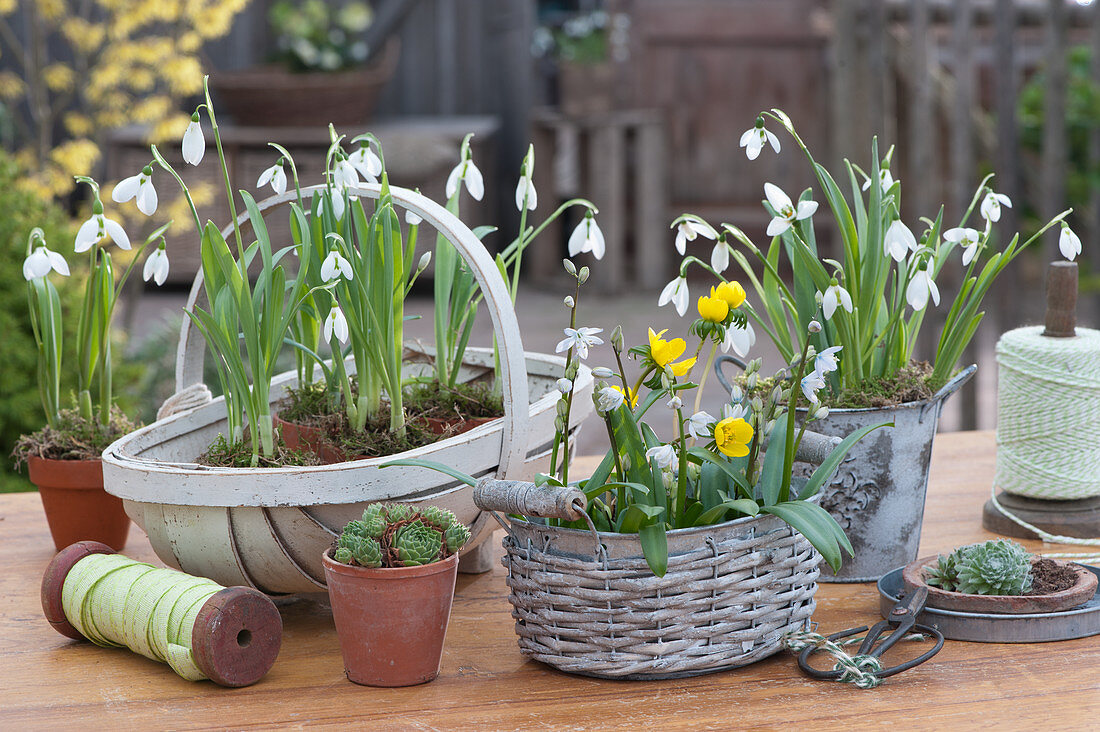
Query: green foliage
[315, 35]
[398, 535]
[996, 567]
[20, 406]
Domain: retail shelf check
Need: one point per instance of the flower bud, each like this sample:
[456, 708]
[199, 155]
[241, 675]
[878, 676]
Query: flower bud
[776, 395]
[737, 394]
[625, 460]
[582, 276]
[822, 412]
[563, 407]
[666, 378]
[814, 327]
[571, 370]
[757, 404]
[617, 338]
[564, 385]
[569, 302]
[769, 427]
[602, 372]
[675, 403]
[750, 382]
[569, 267]
[425, 260]
[559, 424]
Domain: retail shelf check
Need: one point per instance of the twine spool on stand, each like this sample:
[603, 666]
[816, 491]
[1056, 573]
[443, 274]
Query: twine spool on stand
[1048, 425]
[230, 635]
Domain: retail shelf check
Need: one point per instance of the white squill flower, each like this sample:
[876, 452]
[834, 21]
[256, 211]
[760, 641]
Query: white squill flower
[920, 287]
[739, 339]
[42, 261]
[156, 266]
[698, 423]
[833, 296]
[687, 229]
[194, 144]
[581, 339]
[811, 382]
[785, 212]
[991, 205]
[898, 241]
[366, 163]
[587, 237]
[138, 187]
[825, 361]
[336, 266]
[665, 455]
[276, 176]
[754, 139]
[97, 227]
[526, 196]
[468, 173]
[676, 292]
[1069, 243]
[968, 239]
[336, 324]
[609, 399]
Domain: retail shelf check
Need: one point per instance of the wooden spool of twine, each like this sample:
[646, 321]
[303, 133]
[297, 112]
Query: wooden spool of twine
[230, 635]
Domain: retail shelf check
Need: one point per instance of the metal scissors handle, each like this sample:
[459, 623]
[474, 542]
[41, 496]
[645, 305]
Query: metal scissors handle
[901, 621]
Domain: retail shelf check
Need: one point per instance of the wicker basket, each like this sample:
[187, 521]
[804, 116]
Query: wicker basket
[593, 607]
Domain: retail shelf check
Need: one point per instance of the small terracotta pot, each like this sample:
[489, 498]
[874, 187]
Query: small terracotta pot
[303, 437]
[391, 621]
[457, 425]
[77, 507]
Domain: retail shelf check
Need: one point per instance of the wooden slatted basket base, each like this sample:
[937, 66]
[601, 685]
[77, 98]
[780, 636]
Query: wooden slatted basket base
[731, 591]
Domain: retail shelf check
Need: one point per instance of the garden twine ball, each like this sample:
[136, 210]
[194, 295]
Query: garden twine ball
[1048, 414]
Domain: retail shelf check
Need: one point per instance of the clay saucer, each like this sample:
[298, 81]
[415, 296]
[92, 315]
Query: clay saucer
[1081, 592]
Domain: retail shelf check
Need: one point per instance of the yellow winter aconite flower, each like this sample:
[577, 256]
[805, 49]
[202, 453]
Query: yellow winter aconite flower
[732, 436]
[713, 308]
[732, 292]
[664, 353]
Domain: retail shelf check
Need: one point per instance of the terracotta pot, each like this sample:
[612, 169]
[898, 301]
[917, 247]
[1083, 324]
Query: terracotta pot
[303, 437]
[456, 426]
[1078, 594]
[77, 507]
[391, 622]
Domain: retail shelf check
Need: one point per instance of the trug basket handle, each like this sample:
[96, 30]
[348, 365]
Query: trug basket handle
[192, 347]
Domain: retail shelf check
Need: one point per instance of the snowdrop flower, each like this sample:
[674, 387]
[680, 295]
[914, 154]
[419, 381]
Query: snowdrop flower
[366, 163]
[885, 180]
[609, 398]
[811, 382]
[899, 240]
[825, 361]
[968, 239]
[336, 324]
[581, 339]
[41, 261]
[1069, 243]
[194, 144]
[676, 292]
[665, 455]
[344, 176]
[98, 226]
[920, 287]
[156, 266]
[276, 176]
[336, 266]
[991, 205]
[138, 187]
[720, 256]
[587, 237]
[833, 296]
[688, 229]
[564, 385]
[698, 423]
[412, 219]
[526, 196]
[739, 339]
[785, 212]
[466, 172]
[754, 139]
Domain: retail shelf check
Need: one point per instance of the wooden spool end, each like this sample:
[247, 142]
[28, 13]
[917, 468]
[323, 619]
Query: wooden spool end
[53, 581]
[1061, 319]
[237, 636]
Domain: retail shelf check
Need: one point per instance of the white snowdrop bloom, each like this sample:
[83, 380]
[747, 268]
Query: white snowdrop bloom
[587, 237]
[368, 165]
[739, 339]
[194, 144]
[276, 176]
[676, 292]
[919, 289]
[968, 239]
[834, 296]
[335, 266]
[991, 205]
[139, 187]
[336, 324]
[97, 227]
[1069, 243]
[785, 211]
[688, 229]
[754, 139]
[898, 241]
[42, 261]
[156, 266]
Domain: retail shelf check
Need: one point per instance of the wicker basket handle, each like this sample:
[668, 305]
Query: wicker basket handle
[528, 499]
[192, 347]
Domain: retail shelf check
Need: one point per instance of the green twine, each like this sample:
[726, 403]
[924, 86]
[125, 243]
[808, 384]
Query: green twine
[114, 601]
[860, 670]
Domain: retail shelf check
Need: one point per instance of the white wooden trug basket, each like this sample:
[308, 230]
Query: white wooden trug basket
[267, 527]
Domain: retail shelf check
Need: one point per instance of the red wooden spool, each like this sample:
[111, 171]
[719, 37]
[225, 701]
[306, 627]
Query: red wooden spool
[237, 632]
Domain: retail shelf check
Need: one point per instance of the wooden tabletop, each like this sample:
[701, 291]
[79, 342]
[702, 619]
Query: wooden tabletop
[50, 682]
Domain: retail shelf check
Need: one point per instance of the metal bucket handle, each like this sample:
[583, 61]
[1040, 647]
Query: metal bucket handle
[192, 347]
[953, 385]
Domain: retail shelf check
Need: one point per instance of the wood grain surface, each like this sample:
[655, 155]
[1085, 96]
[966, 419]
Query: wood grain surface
[50, 682]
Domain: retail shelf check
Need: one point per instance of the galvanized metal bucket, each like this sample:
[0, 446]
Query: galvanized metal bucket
[877, 495]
